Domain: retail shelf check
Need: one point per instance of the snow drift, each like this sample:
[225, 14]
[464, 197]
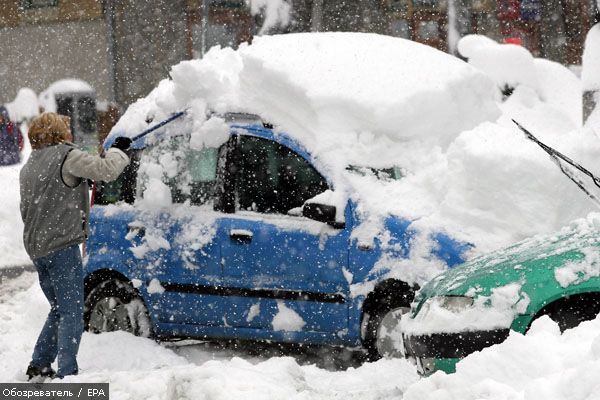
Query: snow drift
[540, 365]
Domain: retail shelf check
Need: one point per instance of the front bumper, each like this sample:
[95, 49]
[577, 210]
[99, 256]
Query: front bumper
[438, 346]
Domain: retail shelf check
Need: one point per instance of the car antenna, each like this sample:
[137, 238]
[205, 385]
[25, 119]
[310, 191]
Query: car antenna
[557, 157]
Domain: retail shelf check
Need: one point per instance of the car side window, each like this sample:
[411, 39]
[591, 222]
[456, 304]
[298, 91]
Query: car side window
[202, 167]
[189, 174]
[271, 178]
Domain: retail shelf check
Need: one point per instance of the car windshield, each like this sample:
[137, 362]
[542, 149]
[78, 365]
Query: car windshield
[383, 174]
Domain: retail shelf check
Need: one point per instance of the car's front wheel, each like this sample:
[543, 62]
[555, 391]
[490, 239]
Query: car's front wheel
[114, 305]
[383, 338]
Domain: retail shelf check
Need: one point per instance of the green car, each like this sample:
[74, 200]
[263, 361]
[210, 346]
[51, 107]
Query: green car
[475, 305]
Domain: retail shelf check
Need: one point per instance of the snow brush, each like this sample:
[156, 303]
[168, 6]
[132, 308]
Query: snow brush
[558, 158]
[159, 125]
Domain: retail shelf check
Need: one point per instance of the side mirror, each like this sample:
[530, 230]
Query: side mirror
[322, 213]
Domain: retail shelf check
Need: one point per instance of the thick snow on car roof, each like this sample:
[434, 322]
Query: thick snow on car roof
[331, 92]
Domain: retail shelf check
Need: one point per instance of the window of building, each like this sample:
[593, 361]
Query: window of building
[273, 179]
[400, 28]
[428, 30]
[426, 3]
[34, 4]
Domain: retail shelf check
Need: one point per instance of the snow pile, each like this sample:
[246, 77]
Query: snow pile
[540, 365]
[316, 87]
[24, 107]
[276, 13]
[139, 368]
[590, 73]
[11, 225]
[511, 66]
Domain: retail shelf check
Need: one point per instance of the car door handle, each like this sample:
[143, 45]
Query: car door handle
[365, 247]
[136, 230]
[240, 235]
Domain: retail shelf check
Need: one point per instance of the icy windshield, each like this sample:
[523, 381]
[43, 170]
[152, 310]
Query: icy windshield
[383, 174]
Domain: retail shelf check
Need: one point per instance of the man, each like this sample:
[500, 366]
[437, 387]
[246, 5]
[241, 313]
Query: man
[55, 211]
[11, 140]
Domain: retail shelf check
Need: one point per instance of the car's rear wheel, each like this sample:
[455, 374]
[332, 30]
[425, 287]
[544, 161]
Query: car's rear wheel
[114, 305]
[383, 338]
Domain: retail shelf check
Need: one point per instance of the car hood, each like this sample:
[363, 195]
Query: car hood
[527, 263]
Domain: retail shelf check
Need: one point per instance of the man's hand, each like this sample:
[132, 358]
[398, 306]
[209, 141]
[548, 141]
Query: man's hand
[122, 143]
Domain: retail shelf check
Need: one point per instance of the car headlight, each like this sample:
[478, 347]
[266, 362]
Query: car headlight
[455, 303]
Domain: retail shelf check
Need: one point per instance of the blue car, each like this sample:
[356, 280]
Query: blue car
[239, 242]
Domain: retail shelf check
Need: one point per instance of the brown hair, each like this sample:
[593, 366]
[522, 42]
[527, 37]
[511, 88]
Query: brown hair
[46, 130]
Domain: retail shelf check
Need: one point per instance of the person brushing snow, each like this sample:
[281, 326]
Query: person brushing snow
[55, 210]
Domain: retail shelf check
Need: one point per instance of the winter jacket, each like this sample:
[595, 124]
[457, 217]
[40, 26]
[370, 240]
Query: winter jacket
[11, 144]
[55, 195]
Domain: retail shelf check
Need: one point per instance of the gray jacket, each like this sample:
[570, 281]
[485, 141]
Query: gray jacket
[55, 194]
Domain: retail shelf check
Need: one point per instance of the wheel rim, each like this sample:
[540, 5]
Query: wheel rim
[110, 314]
[388, 340]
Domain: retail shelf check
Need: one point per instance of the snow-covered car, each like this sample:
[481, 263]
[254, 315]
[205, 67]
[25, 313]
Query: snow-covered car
[308, 228]
[256, 246]
[477, 304]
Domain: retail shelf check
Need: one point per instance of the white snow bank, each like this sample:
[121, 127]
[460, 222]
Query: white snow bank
[139, 368]
[276, 13]
[24, 107]
[590, 73]
[11, 225]
[540, 365]
[512, 65]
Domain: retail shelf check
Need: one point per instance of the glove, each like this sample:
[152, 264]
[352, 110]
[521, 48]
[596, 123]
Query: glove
[122, 143]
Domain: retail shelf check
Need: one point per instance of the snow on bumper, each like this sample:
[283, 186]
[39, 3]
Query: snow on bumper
[469, 313]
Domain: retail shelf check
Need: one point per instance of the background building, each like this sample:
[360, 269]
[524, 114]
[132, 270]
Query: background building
[123, 48]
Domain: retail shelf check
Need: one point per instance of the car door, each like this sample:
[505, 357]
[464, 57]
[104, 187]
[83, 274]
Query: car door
[177, 244]
[281, 271]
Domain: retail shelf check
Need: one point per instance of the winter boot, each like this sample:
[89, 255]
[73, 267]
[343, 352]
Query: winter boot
[35, 374]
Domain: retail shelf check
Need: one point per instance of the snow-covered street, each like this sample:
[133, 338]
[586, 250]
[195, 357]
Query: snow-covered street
[139, 368]
[543, 364]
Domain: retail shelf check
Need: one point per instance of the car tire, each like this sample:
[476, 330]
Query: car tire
[114, 305]
[382, 337]
[568, 318]
[570, 311]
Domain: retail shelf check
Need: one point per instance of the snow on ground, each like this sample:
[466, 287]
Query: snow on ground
[540, 365]
[139, 368]
[11, 226]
